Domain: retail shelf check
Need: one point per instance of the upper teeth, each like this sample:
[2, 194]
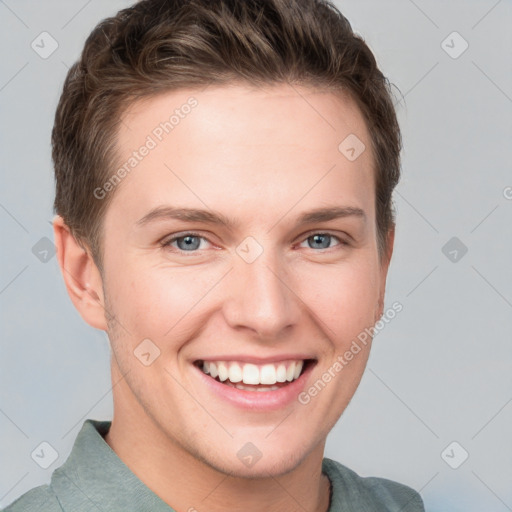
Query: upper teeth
[254, 374]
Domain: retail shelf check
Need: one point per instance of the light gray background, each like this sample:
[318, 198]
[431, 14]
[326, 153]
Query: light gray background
[440, 372]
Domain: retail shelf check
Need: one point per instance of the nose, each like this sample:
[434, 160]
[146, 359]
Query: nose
[260, 298]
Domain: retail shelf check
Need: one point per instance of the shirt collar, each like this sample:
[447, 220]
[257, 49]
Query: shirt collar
[95, 478]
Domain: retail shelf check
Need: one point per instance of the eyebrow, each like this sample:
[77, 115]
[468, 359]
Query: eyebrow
[211, 217]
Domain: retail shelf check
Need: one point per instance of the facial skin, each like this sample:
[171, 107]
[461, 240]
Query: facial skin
[261, 158]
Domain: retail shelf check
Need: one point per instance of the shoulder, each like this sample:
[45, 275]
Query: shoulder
[36, 499]
[394, 494]
[370, 493]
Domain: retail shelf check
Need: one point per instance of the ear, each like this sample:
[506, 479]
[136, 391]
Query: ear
[81, 276]
[384, 267]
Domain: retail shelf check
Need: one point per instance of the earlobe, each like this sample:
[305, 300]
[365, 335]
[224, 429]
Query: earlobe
[81, 275]
[379, 311]
[390, 245]
[379, 308]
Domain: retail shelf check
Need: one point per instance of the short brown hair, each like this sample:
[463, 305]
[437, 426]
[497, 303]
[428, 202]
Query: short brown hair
[164, 45]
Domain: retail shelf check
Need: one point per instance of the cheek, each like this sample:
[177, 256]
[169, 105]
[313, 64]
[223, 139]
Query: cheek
[164, 303]
[158, 303]
[342, 296]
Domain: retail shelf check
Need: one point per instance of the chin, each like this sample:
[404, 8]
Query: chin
[251, 462]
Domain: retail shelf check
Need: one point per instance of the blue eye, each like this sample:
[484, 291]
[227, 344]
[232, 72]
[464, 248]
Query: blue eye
[189, 242]
[321, 240]
[192, 242]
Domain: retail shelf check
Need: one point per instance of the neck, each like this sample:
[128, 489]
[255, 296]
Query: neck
[186, 482]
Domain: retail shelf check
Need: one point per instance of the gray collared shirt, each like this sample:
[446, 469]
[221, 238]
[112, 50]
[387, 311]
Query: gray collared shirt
[94, 478]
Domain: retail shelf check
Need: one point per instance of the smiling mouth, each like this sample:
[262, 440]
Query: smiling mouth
[253, 377]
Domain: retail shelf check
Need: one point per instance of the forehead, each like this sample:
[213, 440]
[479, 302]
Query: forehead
[237, 147]
[280, 114]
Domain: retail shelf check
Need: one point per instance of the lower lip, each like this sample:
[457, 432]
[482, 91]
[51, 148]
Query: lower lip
[258, 400]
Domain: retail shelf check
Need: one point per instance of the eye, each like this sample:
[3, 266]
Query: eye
[188, 242]
[322, 241]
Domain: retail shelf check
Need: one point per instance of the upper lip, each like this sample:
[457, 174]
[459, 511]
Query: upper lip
[258, 360]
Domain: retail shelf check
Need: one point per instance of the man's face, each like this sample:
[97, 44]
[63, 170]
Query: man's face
[265, 289]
